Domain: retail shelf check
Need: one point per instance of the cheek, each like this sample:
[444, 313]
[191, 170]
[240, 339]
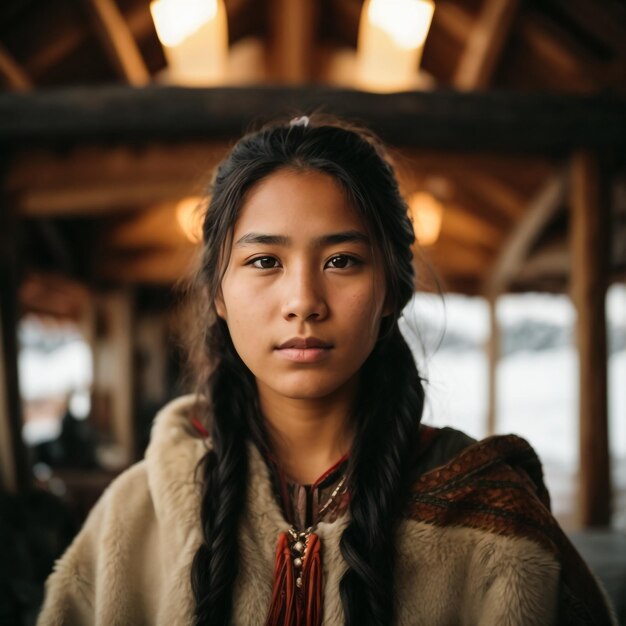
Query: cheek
[247, 310]
[365, 308]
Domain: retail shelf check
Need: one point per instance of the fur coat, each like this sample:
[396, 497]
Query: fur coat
[477, 545]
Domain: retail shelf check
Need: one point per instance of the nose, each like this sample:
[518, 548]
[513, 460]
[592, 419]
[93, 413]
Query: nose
[304, 296]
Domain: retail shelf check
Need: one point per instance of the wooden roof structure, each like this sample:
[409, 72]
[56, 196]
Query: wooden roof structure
[522, 117]
[115, 180]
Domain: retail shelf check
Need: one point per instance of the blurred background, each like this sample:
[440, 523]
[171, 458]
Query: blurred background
[506, 121]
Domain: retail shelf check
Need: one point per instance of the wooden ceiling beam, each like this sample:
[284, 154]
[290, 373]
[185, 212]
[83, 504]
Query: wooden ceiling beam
[96, 180]
[485, 44]
[12, 73]
[516, 249]
[159, 267]
[42, 169]
[118, 41]
[90, 200]
[500, 121]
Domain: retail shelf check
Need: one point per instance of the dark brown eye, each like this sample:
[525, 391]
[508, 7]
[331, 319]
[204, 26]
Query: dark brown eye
[341, 261]
[265, 262]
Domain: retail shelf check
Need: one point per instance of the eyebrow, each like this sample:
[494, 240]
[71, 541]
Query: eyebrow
[348, 236]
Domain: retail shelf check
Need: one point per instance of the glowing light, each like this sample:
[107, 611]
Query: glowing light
[175, 20]
[190, 216]
[406, 21]
[194, 34]
[391, 40]
[427, 215]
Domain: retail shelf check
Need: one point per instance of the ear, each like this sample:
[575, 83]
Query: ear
[220, 306]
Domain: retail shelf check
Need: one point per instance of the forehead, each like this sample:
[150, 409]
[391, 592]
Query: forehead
[297, 202]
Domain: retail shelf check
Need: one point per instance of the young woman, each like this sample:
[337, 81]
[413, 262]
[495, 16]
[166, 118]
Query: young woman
[299, 487]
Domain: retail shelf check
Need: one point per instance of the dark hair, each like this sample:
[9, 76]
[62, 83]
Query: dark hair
[389, 403]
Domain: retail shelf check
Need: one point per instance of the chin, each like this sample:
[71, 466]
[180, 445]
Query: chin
[307, 389]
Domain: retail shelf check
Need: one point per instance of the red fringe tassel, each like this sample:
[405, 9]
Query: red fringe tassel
[290, 605]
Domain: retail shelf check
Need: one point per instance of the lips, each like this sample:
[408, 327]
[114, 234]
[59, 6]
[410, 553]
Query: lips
[304, 343]
[304, 350]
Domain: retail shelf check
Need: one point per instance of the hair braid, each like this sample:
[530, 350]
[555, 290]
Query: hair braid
[225, 469]
[390, 406]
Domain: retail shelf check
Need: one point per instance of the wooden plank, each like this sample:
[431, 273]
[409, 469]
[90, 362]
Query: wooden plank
[485, 44]
[13, 74]
[472, 121]
[515, 250]
[292, 25]
[590, 217]
[118, 41]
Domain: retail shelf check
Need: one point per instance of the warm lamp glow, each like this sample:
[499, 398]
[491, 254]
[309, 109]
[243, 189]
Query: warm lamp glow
[391, 40]
[194, 34]
[190, 216]
[427, 214]
[175, 20]
[406, 21]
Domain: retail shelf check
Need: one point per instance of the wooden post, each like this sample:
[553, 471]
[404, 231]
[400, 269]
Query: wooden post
[8, 475]
[113, 366]
[590, 217]
[493, 357]
[14, 468]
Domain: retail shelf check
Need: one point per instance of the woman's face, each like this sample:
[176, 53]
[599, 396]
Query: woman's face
[303, 293]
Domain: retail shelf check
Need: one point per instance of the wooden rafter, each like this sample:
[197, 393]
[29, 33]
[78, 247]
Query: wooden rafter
[13, 74]
[118, 41]
[485, 44]
[552, 261]
[514, 252]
